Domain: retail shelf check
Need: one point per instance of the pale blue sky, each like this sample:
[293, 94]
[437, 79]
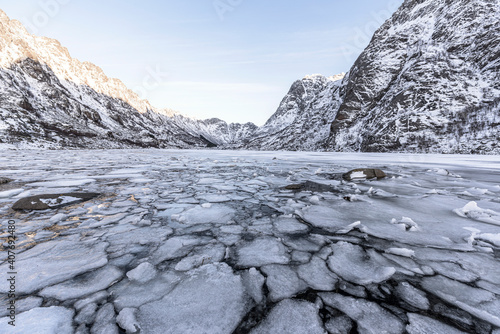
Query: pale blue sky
[231, 59]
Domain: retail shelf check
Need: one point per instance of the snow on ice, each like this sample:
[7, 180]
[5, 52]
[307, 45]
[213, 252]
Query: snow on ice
[214, 242]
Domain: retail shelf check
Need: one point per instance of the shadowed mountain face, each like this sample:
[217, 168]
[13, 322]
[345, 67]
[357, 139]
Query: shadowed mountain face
[38, 108]
[48, 99]
[429, 81]
[303, 117]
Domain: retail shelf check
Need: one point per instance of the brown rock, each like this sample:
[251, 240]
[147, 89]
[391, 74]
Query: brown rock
[368, 172]
[52, 201]
[310, 186]
[4, 180]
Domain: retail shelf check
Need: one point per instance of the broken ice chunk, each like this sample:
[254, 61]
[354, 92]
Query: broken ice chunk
[401, 252]
[127, 320]
[216, 214]
[85, 285]
[406, 223]
[211, 300]
[143, 273]
[211, 253]
[353, 264]
[473, 211]
[353, 290]
[478, 302]
[339, 325]
[420, 324]
[253, 281]
[42, 320]
[262, 251]
[379, 193]
[323, 217]
[87, 314]
[282, 282]
[62, 183]
[22, 305]
[370, 317]
[350, 227]
[288, 225]
[58, 218]
[301, 257]
[493, 239]
[105, 320]
[177, 247]
[317, 276]
[53, 262]
[98, 297]
[292, 316]
[453, 271]
[10, 193]
[314, 200]
[232, 229]
[134, 294]
[412, 296]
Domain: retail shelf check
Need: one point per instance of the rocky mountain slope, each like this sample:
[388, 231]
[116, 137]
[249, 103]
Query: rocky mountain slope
[49, 99]
[427, 82]
[303, 117]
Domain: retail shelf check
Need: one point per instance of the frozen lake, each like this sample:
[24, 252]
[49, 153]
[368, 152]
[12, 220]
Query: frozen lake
[213, 242]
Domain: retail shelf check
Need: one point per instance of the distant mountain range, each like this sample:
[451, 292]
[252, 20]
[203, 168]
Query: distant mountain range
[429, 81]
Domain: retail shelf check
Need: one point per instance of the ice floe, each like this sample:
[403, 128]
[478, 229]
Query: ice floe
[211, 300]
[262, 251]
[353, 264]
[291, 316]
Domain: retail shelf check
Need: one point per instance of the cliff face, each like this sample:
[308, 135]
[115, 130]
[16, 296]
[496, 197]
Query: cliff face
[303, 117]
[427, 82]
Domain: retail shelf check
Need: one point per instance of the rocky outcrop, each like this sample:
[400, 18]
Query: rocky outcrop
[303, 118]
[52, 201]
[364, 174]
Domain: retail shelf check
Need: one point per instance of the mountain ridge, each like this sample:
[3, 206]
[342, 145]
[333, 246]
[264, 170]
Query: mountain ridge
[428, 82]
[50, 99]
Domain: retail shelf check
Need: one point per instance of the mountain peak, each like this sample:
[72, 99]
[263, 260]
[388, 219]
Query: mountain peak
[3, 16]
[18, 44]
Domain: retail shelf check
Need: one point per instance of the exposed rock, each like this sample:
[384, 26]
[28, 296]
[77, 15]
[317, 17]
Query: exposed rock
[45, 96]
[310, 186]
[364, 173]
[52, 201]
[4, 180]
[427, 82]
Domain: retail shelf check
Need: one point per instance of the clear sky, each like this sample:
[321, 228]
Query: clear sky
[231, 59]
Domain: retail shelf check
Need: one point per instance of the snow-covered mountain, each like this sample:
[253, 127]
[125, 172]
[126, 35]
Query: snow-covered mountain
[429, 81]
[49, 99]
[303, 117]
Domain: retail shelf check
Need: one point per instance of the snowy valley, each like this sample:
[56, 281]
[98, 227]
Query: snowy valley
[428, 82]
[116, 217]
